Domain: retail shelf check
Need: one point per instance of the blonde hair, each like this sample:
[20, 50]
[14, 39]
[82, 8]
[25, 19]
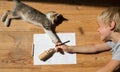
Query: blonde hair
[109, 15]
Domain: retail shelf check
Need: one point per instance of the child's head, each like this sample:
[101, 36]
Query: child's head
[109, 15]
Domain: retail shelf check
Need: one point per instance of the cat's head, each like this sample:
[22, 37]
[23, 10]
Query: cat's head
[55, 17]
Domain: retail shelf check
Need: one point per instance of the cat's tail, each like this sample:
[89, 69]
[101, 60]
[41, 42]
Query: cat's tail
[17, 1]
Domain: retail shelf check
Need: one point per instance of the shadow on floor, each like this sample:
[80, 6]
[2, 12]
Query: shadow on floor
[118, 70]
[104, 3]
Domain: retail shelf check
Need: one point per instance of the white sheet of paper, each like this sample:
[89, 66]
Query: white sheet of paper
[42, 42]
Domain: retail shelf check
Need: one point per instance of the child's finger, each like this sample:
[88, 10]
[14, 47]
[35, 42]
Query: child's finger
[58, 44]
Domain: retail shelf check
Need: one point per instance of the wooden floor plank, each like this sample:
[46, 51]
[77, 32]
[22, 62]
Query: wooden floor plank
[81, 69]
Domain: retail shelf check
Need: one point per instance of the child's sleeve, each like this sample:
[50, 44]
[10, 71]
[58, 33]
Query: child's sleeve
[116, 55]
[110, 44]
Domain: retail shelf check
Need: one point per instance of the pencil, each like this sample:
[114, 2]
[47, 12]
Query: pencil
[64, 42]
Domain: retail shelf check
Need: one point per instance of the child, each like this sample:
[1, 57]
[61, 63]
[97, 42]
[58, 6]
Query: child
[109, 30]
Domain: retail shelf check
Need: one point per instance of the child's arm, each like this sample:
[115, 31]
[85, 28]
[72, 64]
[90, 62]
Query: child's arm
[92, 48]
[110, 67]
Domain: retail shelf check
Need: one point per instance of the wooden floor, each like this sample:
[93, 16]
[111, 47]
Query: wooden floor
[16, 41]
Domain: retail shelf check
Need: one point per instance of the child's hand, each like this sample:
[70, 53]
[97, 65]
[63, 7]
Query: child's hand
[60, 47]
